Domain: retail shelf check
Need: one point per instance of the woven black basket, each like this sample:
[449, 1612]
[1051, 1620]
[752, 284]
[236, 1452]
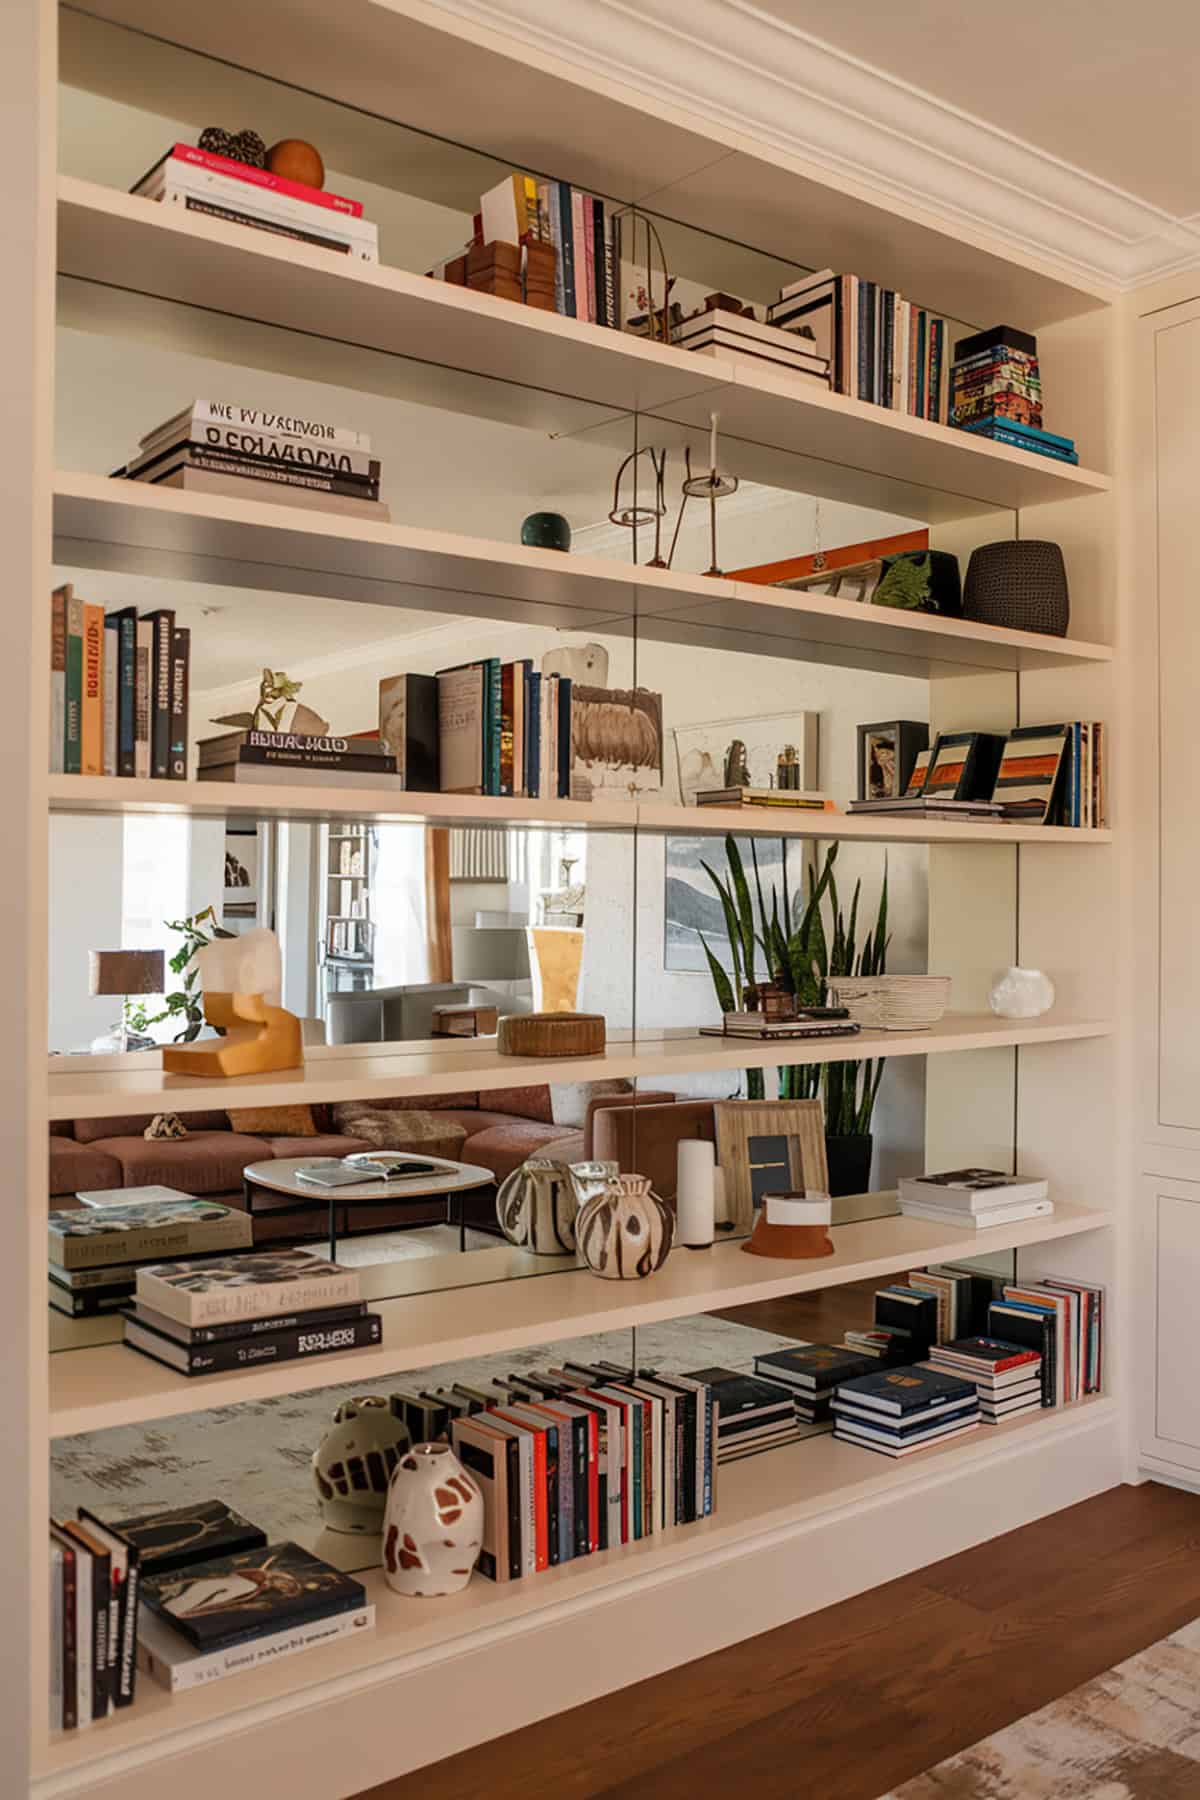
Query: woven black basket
[1020, 584]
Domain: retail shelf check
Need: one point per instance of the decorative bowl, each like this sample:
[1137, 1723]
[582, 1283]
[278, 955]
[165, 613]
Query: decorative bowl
[892, 1002]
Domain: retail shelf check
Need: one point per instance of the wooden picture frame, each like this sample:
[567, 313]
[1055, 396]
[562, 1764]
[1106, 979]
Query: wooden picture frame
[887, 753]
[795, 1132]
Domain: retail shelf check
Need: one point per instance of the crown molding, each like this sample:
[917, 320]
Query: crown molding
[729, 63]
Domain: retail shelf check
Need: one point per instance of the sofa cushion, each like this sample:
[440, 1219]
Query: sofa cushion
[324, 1144]
[431, 1133]
[204, 1162]
[569, 1100]
[88, 1131]
[417, 1103]
[521, 1103]
[80, 1166]
[503, 1148]
[273, 1121]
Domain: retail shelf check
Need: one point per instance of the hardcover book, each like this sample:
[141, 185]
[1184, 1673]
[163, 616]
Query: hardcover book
[172, 1537]
[901, 1392]
[170, 1660]
[812, 1366]
[235, 1599]
[289, 1345]
[743, 1397]
[253, 1286]
[408, 729]
[92, 1236]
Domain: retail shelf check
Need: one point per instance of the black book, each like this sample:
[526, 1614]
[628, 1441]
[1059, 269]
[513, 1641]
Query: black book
[100, 1622]
[1033, 1330]
[126, 623]
[995, 338]
[89, 1303]
[732, 1429]
[909, 1310]
[427, 1419]
[240, 1330]
[175, 1537]
[688, 1499]
[743, 1396]
[813, 1368]
[366, 763]
[126, 1570]
[272, 474]
[255, 1593]
[248, 1353]
[161, 653]
[973, 1316]
[177, 749]
[408, 726]
[70, 1625]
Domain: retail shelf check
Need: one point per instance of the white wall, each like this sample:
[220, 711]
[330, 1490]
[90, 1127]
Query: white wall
[84, 913]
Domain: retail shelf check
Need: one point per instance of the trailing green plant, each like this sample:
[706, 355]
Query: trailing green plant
[803, 943]
[186, 1002]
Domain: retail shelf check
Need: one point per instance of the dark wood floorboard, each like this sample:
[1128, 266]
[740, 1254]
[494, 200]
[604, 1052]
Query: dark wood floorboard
[854, 1700]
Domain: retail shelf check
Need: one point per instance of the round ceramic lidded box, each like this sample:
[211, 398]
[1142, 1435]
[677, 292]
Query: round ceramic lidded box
[625, 1232]
[433, 1526]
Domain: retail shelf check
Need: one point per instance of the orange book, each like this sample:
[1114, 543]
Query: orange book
[92, 709]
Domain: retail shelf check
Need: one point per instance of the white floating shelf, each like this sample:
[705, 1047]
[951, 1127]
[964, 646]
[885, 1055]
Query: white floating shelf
[109, 1086]
[256, 543]
[95, 1389]
[849, 450]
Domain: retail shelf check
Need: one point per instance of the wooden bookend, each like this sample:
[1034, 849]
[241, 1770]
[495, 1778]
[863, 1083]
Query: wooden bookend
[258, 1038]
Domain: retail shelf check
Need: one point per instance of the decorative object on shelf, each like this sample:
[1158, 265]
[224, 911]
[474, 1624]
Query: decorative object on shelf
[125, 972]
[1019, 584]
[626, 1232]
[852, 581]
[850, 1154]
[792, 1225]
[711, 486]
[551, 1034]
[546, 531]
[640, 514]
[240, 146]
[737, 770]
[921, 581]
[640, 315]
[465, 1021]
[841, 556]
[770, 998]
[729, 753]
[892, 1002]
[591, 1178]
[168, 1127]
[297, 160]
[585, 663]
[695, 1193]
[277, 709]
[353, 1464]
[1021, 994]
[235, 978]
[536, 1207]
[887, 755]
[768, 1145]
[963, 766]
[616, 742]
[433, 1524]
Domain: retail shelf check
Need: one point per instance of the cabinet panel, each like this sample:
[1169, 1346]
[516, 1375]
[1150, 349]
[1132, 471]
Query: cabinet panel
[1177, 1281]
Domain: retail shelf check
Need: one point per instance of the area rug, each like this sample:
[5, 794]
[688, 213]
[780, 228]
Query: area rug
[1131, 1734]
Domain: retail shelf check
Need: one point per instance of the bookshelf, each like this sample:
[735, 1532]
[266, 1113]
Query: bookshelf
[795, 1530]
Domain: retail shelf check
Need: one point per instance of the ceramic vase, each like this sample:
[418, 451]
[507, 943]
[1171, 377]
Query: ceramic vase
[1022, 994]
[536, 1207]
[433, 1526]
[695, 1193]
[546, 531]
[626, 1232]
[590, 1179]
[353, 1464]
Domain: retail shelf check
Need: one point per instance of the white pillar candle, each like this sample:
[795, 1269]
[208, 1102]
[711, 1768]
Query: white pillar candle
[695, 1193]
[712, 442]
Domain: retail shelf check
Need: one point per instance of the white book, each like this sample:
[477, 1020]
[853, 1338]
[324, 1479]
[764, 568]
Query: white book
[805, 282]
[271, 490]
[246, 197]
[461, 729]
[143, 655]
[168, 1657]
[242, 441]
[749, 359]
[133, 1196]
[864, 1441]
[972, 1190]
[258, 418]
[111, 667]
[979, 1221]
[737, 325]
[85, 1636]
[528, 1502]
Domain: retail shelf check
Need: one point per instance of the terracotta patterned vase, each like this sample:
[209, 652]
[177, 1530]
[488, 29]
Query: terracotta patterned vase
[626, 1232]
[353, 1464]
[536, 1207]
[433, 1527]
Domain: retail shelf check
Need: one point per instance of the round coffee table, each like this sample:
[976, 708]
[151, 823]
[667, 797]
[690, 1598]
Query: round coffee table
[280, 1177]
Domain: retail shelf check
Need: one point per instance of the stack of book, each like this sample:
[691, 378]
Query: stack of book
[996, 387]
[880, 1342]
[94, 1583]
[1007, 1378]
[98, 1248]
[812, 1372]
[118, 690]
[246, 452]
[238, 1312]
[975, 1198]
[776, 796]
[1064, 1322]
[753, 1415]
[284, 757]
[898, 1411]
[222, 188]
[758, 1025]
[577, 1459]
[580, 235]
[737, 337]
[880, 346]
[956, 1292]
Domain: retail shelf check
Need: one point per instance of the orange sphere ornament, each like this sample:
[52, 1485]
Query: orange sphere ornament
[296, 161]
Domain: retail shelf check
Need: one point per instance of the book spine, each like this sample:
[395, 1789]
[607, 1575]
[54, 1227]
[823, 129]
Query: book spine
[579, 252]
[567, 246]
[225, 441]
[92, 705]
[222, 1304]
[70, 1629]
[264, 178]
[612, 282]
[493, 715]
[166, 1242]
[563, 750]
[142, 683]
[253, 418]
[198, 1671]
[58, 680]
[110, 666]
[554, 207]
[126, 691]
[601, 286]
[125, 1677]
[589, 226]
[352, 487]
[269, 1347]
[177, 749]
[347, 761]
[177, 180]
[163, 623]
[274, 227]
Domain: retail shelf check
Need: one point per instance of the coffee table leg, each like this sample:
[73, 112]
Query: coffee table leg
[332, 1229]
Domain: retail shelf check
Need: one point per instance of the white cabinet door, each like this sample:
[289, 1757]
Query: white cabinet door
[1172, 1420]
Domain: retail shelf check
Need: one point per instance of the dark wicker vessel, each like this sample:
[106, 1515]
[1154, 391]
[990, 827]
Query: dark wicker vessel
[1020, 584]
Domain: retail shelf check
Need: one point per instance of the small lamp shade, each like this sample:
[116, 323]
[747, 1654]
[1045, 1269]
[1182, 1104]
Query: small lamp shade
[250, 964]
[126, 972]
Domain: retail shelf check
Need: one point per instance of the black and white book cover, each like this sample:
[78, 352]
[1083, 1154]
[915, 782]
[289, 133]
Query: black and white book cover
[234, 1599]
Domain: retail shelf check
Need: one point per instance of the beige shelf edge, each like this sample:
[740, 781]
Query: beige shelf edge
[93, 1390]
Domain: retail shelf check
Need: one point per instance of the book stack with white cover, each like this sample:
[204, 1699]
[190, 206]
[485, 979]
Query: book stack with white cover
[738, 338]
[975, 1198]
[220, 187]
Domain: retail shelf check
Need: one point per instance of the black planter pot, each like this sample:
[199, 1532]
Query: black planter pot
[849, 1160]
[1019, 584]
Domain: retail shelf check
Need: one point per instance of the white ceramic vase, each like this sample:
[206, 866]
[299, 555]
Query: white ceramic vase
[536, 1207]
[625, 1233]
[695, 1193]
[353, 1464]
[433, 1526]
[1021, 994]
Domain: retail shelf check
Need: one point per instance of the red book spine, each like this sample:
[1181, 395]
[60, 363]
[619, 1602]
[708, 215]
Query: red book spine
[263, 178]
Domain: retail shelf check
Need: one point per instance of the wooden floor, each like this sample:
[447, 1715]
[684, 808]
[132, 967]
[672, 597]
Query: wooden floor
[848, 1703]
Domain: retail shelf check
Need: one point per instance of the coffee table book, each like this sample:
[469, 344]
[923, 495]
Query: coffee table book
[176, 1537]
[176, 1666]
[88, 1238]
[256, 1286]
[292, 1345]
[228, 1600]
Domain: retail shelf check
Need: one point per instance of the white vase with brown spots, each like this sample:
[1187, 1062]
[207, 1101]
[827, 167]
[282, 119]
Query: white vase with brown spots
[625, 1232]
[433, 1526]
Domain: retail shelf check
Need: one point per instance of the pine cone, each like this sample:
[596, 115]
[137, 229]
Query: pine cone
[248, 147]
[216, 141]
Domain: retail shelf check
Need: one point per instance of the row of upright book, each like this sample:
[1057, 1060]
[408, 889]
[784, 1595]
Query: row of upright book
[880, 347]
[579, 233]
[578, 1459]
[118, 690]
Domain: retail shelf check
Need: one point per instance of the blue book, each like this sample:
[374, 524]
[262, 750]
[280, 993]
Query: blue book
[533, 731]
[903, 1392]
[903, 1429]
[565, 685]
[126, 625]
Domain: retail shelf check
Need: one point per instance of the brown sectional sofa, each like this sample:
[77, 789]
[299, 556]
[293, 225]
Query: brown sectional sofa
[503, 1128]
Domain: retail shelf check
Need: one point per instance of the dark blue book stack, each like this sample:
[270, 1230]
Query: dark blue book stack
[898, 1411]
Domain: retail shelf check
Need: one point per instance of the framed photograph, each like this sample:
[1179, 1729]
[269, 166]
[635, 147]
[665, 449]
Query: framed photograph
[886, 756]
[769, 1147]
[964, 766]
[692, 910]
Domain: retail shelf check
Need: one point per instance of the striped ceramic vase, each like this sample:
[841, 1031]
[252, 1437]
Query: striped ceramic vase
[535, 1207]
[625, 1233]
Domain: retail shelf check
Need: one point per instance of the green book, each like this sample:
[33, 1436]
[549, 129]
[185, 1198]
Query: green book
[73, 748]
